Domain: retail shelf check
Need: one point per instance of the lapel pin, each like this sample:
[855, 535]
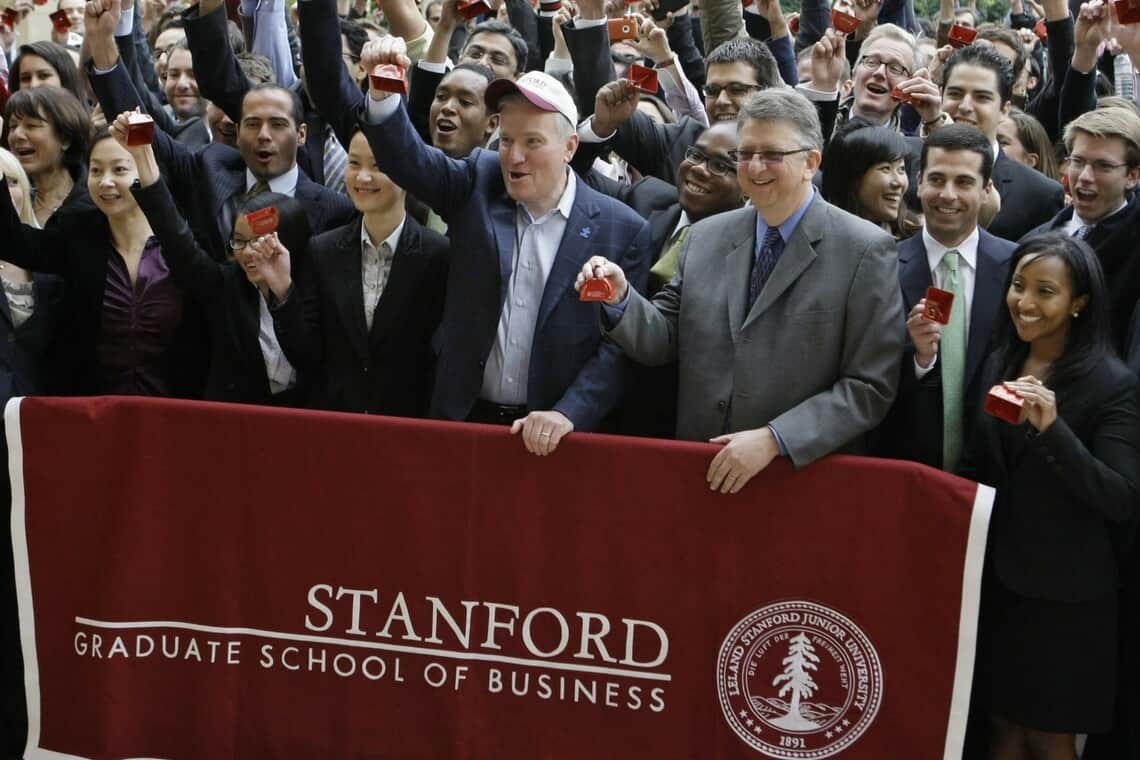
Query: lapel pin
[584, 233]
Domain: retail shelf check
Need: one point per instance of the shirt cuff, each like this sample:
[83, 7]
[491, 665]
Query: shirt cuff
[586, 23]
[813, 94]
[126, 25]
[559, 65]
[779, 441]
[613, 314]
[920, 371]
[101, 72]
[586, 132]
[380, 110]
[433, 66]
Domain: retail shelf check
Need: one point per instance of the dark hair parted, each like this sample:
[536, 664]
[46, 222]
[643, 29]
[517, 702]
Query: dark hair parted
[959, 137]
[293, 228]
[987, 57]
[1089, 341]
[297, 109]
[57, 57]
[752, 52]
[63, 111]
[518, 43]
[478, 68]
[854, 149]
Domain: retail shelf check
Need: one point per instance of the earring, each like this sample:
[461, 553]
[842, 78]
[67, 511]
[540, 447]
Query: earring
[1076, 314]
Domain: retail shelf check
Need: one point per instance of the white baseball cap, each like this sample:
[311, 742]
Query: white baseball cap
[541, 89]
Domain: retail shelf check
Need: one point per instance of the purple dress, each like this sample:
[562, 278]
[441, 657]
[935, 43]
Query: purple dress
[139, 323]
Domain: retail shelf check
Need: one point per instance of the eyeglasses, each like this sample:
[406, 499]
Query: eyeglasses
[1079, 163]
[766, 157]
[476, 54]
[238, 245]
[715, 165]
[873, 62]
[735, 90]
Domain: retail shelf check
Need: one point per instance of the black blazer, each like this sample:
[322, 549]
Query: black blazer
[321, 326]
[1065, 497]
[1115, 241]
[913, 428]
[207, 183]
[236, 367]
[77, 248]
[654, 200]
[1028, 198]
[23, 349]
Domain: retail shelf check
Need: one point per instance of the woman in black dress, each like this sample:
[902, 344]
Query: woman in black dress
[1066, 476]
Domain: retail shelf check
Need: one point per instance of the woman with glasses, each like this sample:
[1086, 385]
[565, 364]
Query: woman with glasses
[865, 173]
[246, 363]
[1066, 470]
[122, 329]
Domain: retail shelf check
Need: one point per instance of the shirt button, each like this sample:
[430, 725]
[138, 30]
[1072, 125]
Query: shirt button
[721, 405]
[510, 381]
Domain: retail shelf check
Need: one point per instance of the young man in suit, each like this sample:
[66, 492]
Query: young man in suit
[210, 183]
[1103, 171]
[976, 90]
[786, 316]
[939, 389]
[515, 345]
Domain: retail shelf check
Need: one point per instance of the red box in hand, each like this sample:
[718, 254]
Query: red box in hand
[643, 78]
[472, 8]
[1126, 13]
[40, 2]
[1004, 404]
[793, 25]
[844, 22]
[596, 289]
[388, 77]
[60, 22]
[938, 305]
[140, 129]
[900, 96]
[264, 221]
[10, 18]
[961, 36]
[1041, 30]
[622, 29]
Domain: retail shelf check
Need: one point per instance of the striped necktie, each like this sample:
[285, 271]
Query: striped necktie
[764, 263]
[1082, 232]
[952, 354]
[335, 161]
[259, 187]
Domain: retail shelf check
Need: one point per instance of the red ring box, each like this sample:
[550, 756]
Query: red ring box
[793, 26]
[388, 77]
[643, 78]
[900, 96]
[472, 8]
[10, 17]
[1004, 404]
[60, 22]
[938, 305]
[844, 22]
[622, 29]
[596, 289]
[263, 221]
[1127, 13]
[746, 3]
[140, 129]
[40, 2]
[1041, 30]
[961, 36]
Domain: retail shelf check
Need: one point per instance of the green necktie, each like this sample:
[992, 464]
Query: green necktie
[952, 354]
[666, 266]
[259, 187]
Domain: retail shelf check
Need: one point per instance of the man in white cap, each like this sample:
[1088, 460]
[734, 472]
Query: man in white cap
[516, 345]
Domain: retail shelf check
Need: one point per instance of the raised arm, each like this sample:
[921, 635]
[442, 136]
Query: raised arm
[334, 94]
[220, 78]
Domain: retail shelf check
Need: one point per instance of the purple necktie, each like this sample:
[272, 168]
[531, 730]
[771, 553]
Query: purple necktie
[764, 263]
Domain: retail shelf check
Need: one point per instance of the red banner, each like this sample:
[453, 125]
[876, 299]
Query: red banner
[211, 581]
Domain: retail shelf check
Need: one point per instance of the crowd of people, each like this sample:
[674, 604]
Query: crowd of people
[717, 224]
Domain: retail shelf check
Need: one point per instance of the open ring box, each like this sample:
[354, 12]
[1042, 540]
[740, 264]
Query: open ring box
[643, 78]
[938, 305]
[388, 77]
[60, 22]
[844, 22]
[596, 289]
[961, 36]
[1004, 404]
[469, 9]
[263, 221]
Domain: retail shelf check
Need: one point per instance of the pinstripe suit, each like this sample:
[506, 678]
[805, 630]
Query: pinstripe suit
[571, 369]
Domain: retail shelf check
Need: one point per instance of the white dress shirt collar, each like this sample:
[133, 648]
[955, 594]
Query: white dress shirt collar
[285, 184]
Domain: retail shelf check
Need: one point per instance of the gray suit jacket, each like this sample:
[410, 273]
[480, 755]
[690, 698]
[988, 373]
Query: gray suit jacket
[817, 358]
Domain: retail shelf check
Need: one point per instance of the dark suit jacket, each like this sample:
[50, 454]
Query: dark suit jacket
[237, 371]
[571, 369]
[23, 349]
[654, 200]
[913, 429]
[385, 370]
[1115, 241]
[1066, 495]
[208, 183]
[1028, 198]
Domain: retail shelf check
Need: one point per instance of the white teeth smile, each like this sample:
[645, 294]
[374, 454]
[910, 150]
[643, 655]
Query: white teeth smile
[877, 89]
[1024, 318]
[695, 189]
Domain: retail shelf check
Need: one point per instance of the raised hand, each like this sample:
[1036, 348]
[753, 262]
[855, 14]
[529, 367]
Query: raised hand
[601, 267]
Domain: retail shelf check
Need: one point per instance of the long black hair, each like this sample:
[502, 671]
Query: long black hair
[852, 151]
[1090, 341]
[57, 57]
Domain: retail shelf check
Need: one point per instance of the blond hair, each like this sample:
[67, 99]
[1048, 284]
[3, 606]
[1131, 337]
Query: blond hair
[1113, 121]
[10, 166]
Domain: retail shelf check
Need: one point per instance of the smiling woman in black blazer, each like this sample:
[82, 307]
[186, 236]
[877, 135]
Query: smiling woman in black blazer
[1066, 478]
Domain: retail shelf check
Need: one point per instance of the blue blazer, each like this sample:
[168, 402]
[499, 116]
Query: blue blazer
[913, 429]
[572, 370]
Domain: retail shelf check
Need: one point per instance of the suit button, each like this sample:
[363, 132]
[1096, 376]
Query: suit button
[366, 370]
[721, 405]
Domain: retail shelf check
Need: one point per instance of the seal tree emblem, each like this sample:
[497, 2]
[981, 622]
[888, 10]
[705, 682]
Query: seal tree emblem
[799, 680]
